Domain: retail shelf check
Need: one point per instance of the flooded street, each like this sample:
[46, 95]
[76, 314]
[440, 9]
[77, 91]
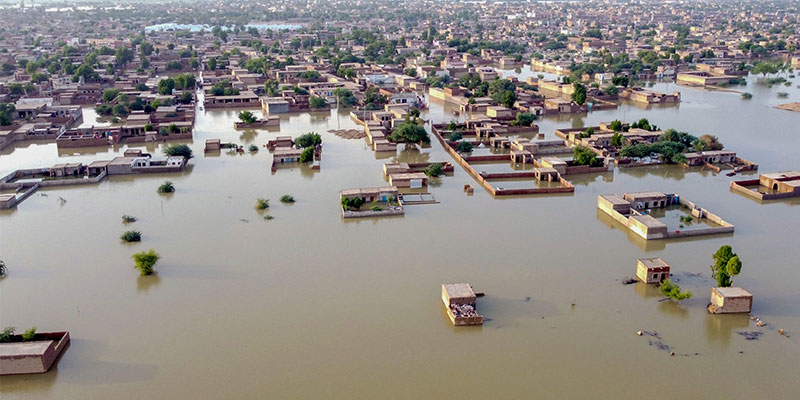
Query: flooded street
[309, 305]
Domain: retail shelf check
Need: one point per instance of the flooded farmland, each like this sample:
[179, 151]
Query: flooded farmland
[309, 305]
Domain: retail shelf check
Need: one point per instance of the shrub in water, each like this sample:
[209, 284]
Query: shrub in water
[131, 236]
[262, 204]
[287, 198]
[166, 187]
[127, 219]
[145, 260]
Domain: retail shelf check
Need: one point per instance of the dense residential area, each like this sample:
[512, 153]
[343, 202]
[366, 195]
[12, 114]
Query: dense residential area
[216, 199]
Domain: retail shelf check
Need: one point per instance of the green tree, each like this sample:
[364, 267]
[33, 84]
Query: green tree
[185, 81]
[212, 63]
[178, 150]
[123, 55]
[6, 114]
[307, 155]
[309, 139]
[145, 261]
[524, 119]
[110, 94]
[434, 170]
[673, 291]
[145, 49]
[617, 139]
[409, 132]
[726, 265]
[582, 155]
[579, 93]
[247, 117]
[166, 86]
[464, 147]
[317, 102]
[615, 125]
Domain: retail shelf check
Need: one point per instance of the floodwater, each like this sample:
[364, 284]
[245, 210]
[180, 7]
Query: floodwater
[307, 305]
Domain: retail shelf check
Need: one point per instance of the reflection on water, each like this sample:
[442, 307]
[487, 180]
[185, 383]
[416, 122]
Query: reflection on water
[145, 283]
[720, 328]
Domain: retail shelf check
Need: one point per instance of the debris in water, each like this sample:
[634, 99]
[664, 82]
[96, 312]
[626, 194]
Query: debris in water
[628, 280]
[639, 333]
[349, 133]
[244, 220]
[783, 333]
[527, 299]
[754, 335]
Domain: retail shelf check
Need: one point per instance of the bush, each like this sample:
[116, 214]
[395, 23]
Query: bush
[6, 333]
[178, 150]
[307, 140]
[166, 187]
[464, 147]
[455, 136]
[287, 198]
[747, 95]
[262, 204]
[131, 236]
[127, 219]
[783, 95]
[145, 260]
[375, 208]
[3, 270]
[673, 291]
[307, 155]
[434, 170]
[253, 148]
[352, 203]
[268, 217]
[29, 334]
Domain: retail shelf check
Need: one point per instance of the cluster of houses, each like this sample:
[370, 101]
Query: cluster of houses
[25, 182]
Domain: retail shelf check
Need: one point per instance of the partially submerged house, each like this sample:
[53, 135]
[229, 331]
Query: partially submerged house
[634, 211]
[32, 357]
[382, 201]
[652, 270]
[460, 301]
[728, 300]
[778, 185]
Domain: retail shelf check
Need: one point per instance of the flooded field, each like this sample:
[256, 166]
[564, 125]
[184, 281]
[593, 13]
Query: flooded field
[309, 305]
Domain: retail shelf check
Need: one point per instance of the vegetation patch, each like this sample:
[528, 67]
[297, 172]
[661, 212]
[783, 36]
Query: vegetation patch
[262, 204]
[166, 187]
[131, 236]
[287, 199]
[145, 261]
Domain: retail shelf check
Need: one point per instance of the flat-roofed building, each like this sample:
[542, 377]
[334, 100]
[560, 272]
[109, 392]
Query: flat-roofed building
[728, 300]
[652, 270]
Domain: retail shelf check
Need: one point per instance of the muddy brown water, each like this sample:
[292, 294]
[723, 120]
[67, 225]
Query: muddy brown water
[307, 305]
